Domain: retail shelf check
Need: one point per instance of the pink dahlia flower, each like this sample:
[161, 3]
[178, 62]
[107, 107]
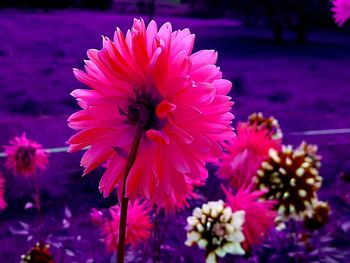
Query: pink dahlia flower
[171, 204]
[149, 80]
[2, 192]
[259, 215]
[138, 227]
[341, 10]
[244, 155]
[25, 156]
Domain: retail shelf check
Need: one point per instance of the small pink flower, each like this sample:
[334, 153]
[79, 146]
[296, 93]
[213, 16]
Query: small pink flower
[96, 216]
[2, 192]
[138, 227]
[341, 10]
[259, 215]
[244, 155]
[25, 156]
[150, 80]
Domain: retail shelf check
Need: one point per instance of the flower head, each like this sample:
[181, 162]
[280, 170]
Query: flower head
[259, 214]
[150, 81]
[39, 253]
[216, 229]
[258, 121]
[96, 216]
[291, 178]
[2, 192]
[317, 216]
[341, 10]
[138, 227]
[245, 153]
[311, 154]
[25, 156]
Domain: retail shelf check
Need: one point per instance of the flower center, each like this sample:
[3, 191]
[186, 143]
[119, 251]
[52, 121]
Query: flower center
[24, 157]
[142, 111]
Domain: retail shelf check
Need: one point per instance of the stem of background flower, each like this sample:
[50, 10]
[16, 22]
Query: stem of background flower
[38, 206]
[125, 200]
[115, 239]
[156, 241]
[295, 238]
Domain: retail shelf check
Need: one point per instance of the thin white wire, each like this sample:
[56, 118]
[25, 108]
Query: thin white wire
[50, 150]
[322, 132]
[305, 133]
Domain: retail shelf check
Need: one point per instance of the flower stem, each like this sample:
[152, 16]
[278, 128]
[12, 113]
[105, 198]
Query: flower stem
[38, 206]
[156, 241]
[125, 200]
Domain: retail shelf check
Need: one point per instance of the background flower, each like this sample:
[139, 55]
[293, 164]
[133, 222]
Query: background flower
[259, 214]
[291, 178]
[341, 10]
[39, 253]
[2, 192]
[318, 216]
[150, 81]
[216, 229]
[96, 216]
[138, 227]
[258, 121]
[25, 156]
[245, 153]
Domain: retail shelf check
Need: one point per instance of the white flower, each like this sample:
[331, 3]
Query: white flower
[217, 228]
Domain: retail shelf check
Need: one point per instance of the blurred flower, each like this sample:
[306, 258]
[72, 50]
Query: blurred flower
[96, 216]
[178, 203]
[311, 154]
[24, 156]
[259, 214]
[258, 121]
[216, 229]
[291, 178]
[150, 81]
[138, 227]
[38, 254]
[244, 155]
[318, 216]
[345, 177]
[2, 192]
[341, 10]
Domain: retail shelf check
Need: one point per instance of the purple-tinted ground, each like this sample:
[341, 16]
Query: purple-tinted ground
[306, 87]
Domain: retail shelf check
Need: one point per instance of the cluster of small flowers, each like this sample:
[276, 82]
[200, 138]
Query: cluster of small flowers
[271, 182]
[217, 229]
[292, 178]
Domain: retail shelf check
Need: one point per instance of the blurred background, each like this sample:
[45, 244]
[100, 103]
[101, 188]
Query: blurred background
[285, 58]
